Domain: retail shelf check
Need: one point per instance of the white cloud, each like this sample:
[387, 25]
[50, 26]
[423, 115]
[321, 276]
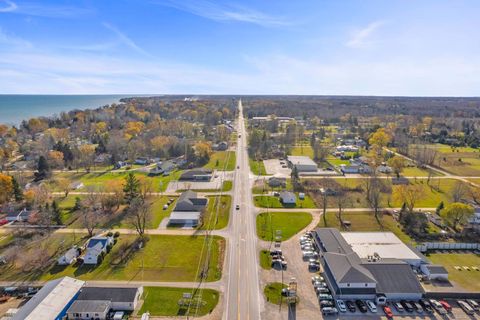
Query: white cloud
[125, 39]
[12, 40]
[218, 12]
[362, 37]
[7, 6]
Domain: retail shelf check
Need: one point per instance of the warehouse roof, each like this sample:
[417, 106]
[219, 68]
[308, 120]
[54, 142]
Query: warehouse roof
[51, 300]
[393, 277]
[332, 240]
[121, 294]
[89, 306]
[347, 268]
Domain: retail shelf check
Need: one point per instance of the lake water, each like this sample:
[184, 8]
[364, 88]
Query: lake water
[15, 108]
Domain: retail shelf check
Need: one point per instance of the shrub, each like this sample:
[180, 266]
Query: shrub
[116, 234]
[109, 234]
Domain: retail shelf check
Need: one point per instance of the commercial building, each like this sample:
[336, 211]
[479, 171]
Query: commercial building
[86, 310]
[302, 164]
[196, 175]
[188, 210]
[354, 271]
[52, 301]
[120, 298]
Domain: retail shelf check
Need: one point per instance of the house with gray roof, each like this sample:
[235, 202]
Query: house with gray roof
[121, 298]
[188, 210]
[89, 309]
[287, 197]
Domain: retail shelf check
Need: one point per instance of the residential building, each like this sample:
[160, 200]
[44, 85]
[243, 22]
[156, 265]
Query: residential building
[188, 209]
[96, 246]
[196, 175]
[287, 197]
[221, 146]
[52, 301]
[20, 216]
[69, 257]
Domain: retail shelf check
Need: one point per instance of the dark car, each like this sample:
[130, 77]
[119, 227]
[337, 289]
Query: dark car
[351, 306]
[362, 306]
[237, 207]
[426, 306]
[407, 305]
[326, 303]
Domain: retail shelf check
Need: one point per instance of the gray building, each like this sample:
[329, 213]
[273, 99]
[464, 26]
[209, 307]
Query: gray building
[188, 210]
[303, 164]
[89, 309]
[120, 298]
[352, 277]
[196, 175]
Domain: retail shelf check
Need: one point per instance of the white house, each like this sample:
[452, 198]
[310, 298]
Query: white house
[69, 257]
[95, 247]
[76, 185]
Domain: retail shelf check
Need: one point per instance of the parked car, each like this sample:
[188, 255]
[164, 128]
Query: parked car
[426, 306]
[388, 312]
[361, 306]
[371, 306]
[438, 307]
[313, 267]
[351, 306]
[474, 304]
[317, 279]
[276, 252]
[446, 305]
[329, 311]
[398, 306]
[320, 284]
[326, 303]
[466, 307]
[324, 296]
[407, 306]
[418, 308]
[341, 306]
[3, 222]
[319, 290]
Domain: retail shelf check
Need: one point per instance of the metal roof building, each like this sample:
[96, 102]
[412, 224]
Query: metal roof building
[52, 301]
[303, 164]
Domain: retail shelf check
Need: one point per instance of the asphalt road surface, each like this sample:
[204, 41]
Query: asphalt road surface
[242, 295]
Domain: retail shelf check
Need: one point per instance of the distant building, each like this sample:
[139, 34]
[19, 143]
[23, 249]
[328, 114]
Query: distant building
[20, 216]
[287, 197]
[221, 146]
[302, 164]
[142, 161]
[52, 301]
[69, 257]
[196, 175]
[277, 181]
[77, 185]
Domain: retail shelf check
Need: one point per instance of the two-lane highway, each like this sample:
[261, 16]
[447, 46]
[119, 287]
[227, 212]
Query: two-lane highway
[242, 293]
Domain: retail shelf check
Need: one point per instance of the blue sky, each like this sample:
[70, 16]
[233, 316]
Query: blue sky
[361, 47]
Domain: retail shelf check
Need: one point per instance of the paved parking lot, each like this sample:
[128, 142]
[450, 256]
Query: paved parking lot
[274, 167]
[214, 184]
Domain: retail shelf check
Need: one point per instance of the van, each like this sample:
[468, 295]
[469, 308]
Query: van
[371, 306]
[438, 307]
[465, 307]
[474, 304]
[329, 311]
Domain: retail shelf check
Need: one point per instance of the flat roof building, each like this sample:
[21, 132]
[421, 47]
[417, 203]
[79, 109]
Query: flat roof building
[302, 163]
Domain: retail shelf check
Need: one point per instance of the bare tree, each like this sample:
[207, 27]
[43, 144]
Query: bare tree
[90, 220]
[459, 191]
[373, 187]
[139, 214]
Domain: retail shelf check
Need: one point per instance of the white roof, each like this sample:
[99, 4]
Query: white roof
[301, 160]
[49, 302]
[185, 215]
[386, 244]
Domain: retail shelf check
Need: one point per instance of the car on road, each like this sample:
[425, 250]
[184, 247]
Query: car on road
[361, 306]
[238, 167]
[438, 307]
[446, 305]
[388, 312]
[465, 307]
[237, 207]
[371, 306]
[474, 304]
[398, 306]
[341, 306]
[351, 306]
[329, 311]
[426, 306]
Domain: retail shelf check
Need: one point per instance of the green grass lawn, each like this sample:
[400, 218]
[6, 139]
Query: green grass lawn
[365, 221]
[164, 258]
[289, 223]
[469, 280]
[163, 301]
[257, 167]
[222, 160]
[273, 292]
[223, 204]
[417, 172]
[302, 150]
[274, 202]
[265, 260]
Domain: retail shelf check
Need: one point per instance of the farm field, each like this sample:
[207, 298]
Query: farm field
[164, 258]
[289, 223]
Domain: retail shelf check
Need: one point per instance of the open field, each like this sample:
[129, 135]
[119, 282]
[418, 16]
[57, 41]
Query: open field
[163, 301]
[274, 202]
[469, 280]
[118, 219]
[257, 167]
[365, 221]
[273, 292]
[222, 160]
[302, 150]
[221, 203]
[96, 179]
[289, 223]
[164, 258]
[261, 186]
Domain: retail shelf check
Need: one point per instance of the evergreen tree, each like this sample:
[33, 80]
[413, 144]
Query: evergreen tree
[78, 204]
[43, 169]
[56, 214]
[17, 190]
[131, 188]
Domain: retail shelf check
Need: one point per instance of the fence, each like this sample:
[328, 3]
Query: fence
[424, 247]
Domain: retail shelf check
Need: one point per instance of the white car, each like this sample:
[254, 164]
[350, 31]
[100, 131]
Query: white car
[341, 306]
[371, 306]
